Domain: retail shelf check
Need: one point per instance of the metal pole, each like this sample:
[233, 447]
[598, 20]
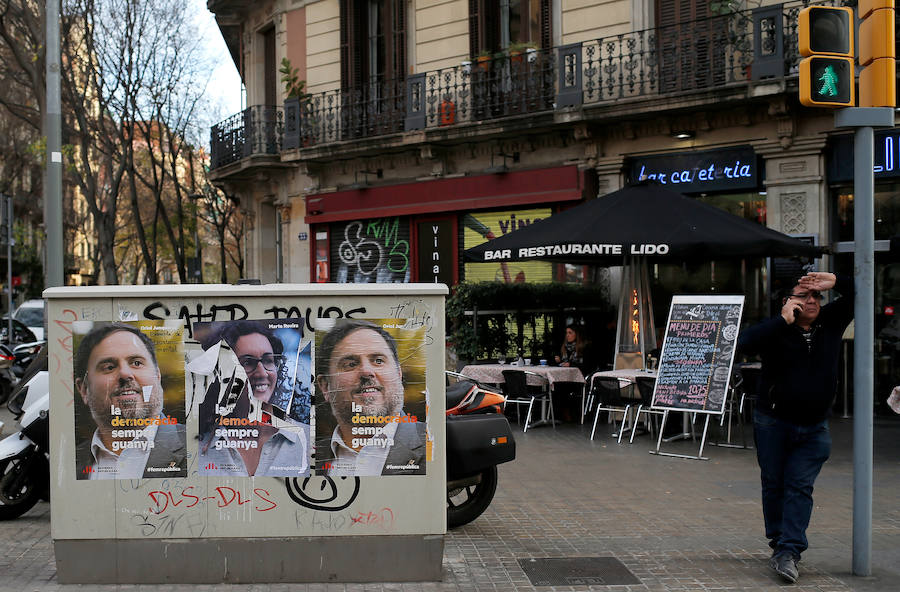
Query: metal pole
[53, 130]
[863, 344]
[863, 120]
[8, 214]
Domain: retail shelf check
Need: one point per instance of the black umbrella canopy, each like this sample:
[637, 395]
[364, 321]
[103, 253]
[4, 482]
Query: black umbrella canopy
[641, 220]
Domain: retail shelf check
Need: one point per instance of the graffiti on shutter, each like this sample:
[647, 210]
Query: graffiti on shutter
[370, 251]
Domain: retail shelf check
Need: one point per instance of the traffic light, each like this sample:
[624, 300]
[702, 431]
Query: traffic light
[878, 78]
[826, 43]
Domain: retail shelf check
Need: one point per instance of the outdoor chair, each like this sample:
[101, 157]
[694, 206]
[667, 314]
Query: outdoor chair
[741, 395]
[518, 392]
[609, 398]
[645, 385]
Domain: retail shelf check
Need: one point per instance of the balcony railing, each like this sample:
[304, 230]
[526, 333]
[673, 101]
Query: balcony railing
[711, 53]
[255, 130]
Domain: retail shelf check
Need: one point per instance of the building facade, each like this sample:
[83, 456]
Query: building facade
[428, 126]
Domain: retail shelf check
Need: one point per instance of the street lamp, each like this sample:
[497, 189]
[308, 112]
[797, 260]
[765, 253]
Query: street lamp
[198, 265]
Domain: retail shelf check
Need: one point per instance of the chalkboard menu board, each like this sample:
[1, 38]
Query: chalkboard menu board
[697, 352]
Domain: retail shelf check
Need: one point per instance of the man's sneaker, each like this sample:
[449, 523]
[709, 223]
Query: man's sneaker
[785, 565]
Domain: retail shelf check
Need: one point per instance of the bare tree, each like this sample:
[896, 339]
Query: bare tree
[132, 82]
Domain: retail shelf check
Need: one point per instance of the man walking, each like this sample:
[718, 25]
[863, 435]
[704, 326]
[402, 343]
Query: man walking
[800, 349]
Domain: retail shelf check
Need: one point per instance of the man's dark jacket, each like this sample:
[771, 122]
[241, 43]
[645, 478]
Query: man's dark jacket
[798, 383]
[408, 449]
[168, 450]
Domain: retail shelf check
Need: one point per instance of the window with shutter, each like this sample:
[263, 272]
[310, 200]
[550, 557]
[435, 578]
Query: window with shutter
[371, 251]
[373, 41]
[373, 66]
[690, 54]
[270, 68]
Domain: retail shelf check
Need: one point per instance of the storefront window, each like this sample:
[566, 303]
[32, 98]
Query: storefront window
[887, 273]
[747, 276]
[887, 211]
[750, 206]
[480, 227]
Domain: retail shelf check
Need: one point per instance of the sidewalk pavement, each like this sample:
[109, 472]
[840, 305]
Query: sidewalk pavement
[675, 524]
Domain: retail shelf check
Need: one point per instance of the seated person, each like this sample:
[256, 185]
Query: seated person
[575, 350]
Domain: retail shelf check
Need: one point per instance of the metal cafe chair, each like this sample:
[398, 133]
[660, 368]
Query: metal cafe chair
[645, 386]
[518, 392]
[609, 396]
[741, 395]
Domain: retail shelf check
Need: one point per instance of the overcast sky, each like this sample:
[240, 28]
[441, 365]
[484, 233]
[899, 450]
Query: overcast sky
[224, 85]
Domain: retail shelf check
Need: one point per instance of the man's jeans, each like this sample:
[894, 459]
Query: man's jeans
[790, 457]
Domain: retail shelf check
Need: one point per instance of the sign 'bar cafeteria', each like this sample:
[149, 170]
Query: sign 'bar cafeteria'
[723, 169]
[576, 249]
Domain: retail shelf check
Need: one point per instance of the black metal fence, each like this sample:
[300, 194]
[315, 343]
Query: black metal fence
[255, 130]
[705, 54]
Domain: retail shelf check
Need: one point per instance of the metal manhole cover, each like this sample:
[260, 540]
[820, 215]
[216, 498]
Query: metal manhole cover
[577, 571]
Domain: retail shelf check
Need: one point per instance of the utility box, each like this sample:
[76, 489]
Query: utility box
[244, 434]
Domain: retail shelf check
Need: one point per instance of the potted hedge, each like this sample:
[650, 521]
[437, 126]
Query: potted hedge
[297, 112]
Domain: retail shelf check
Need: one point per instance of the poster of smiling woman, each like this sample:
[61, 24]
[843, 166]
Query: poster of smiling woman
[129, 400]
[254, 416]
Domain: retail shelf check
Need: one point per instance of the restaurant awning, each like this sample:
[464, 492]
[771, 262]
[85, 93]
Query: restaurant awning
[537, 186]
[643, 220]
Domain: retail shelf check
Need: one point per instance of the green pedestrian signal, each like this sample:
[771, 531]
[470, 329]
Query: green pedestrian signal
[830, 82]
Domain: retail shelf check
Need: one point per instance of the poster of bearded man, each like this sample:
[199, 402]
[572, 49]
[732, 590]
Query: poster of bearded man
[128, 383]
[370, 411]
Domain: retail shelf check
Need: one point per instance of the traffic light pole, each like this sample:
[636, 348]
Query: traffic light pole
[7, 203]
[53, 259]
[863, 120]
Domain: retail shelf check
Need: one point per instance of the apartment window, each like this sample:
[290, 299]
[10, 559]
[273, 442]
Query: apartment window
[373, 67]
[494, 25]
[373, 42]
[270, 68]
[691, 43]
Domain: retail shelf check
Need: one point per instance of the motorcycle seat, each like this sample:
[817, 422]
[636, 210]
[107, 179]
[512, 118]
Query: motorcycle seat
[457, 391]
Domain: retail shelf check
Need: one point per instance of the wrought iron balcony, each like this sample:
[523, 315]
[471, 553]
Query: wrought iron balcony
[255, 130]
[706, 55]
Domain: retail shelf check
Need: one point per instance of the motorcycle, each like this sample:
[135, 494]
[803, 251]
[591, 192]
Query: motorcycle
[25, 455]
[8, 379]
[25, 353]
[478, 439]
[14, 359]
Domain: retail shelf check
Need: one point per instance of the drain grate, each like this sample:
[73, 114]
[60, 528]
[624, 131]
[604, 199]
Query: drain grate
[577, 571]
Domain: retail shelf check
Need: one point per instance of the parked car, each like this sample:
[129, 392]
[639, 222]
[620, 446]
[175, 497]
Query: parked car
[31, 314]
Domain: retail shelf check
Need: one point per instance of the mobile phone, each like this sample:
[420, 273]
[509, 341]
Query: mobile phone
[796, 312]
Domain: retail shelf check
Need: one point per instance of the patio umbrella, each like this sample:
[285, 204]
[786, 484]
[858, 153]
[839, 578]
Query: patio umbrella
[631, 226]
[645, 220]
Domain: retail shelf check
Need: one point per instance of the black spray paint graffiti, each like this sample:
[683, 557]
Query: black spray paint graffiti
[237, 312]
[327, 498]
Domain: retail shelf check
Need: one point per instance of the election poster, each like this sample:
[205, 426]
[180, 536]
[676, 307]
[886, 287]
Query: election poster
[128, 380]
[255, 412]
[370, 414]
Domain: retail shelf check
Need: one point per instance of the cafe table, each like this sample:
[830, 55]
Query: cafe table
[493, 374]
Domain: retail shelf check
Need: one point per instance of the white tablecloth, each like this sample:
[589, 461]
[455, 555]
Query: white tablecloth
[493, 373]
